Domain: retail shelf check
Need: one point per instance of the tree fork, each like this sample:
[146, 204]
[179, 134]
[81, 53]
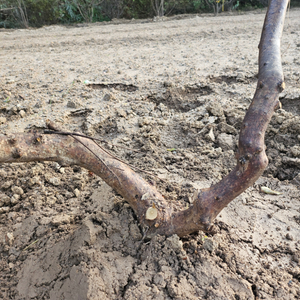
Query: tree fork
[155, 214]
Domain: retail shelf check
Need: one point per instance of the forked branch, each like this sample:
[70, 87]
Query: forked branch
[153, 211]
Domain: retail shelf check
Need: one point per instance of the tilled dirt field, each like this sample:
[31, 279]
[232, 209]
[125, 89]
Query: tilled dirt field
[177, 91]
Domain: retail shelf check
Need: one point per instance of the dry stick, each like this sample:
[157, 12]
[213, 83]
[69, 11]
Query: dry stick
[251, 156]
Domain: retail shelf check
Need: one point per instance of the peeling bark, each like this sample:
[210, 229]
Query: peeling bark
[141, 196]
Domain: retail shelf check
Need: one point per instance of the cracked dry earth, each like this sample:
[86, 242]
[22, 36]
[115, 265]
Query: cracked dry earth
[177, 91]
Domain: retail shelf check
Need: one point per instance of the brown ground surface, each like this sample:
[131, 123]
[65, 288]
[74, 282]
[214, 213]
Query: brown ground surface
[177, 83]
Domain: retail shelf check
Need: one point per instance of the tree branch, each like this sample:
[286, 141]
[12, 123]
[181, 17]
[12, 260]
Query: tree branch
[153, 211]
[64, 149]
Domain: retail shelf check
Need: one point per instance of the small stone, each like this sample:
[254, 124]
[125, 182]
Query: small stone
[9, 238]
[71, 104]
[36, 170]
[289, 237]
[76, 192]
[210, 136]
[62, 170]
[4, 210]
[14, 110]
[158, 280]
[12, 215]
[212, 119]
[234, 117]
[295, 150]
[3, 174]
[7, 184]
[61, 219]
[4, 200]
[144, 121]
[209, 244]
[7, 93]
[125, 139]
[240, 77]
[164, 122]
[37, 105]
[15, 199]
[225, 141]
[54, 180]
[3, 120]
[175, 243]
[197, 124]
[244, 200]
[31, 182]
[226, 128]
[168, 84]
[107, 97]
[215, 109]
[296, 257]
[17, 190]
[296, 179]
[34, 180]
[68, 194]
[22, 113]
[56, 166]
[51, 200]
[121, 113]
[279, 119]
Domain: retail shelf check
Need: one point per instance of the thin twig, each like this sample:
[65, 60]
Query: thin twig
[30, 245]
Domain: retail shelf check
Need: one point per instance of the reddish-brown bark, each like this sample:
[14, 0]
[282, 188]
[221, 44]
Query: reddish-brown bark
[251, 156]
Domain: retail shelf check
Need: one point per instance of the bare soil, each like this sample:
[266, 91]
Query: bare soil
[177, 91]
